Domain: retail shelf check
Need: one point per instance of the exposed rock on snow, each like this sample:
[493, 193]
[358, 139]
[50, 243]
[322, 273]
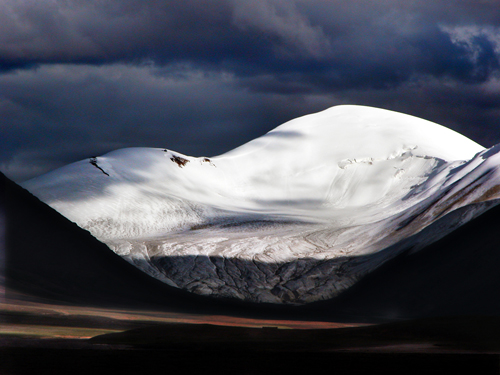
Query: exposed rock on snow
[93, 161]
[297, 215]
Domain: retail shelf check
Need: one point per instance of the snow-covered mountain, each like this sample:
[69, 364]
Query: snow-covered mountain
[297, 215]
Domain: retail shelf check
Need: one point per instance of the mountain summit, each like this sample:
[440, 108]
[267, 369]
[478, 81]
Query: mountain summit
[298, 215]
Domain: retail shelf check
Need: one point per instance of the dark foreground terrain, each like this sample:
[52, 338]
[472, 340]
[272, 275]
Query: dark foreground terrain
[223, 359]
[43, 338]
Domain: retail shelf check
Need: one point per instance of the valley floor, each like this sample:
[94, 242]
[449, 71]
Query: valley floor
[39, 336]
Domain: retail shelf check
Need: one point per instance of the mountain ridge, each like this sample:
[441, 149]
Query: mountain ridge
[298, 215]
[456, 275]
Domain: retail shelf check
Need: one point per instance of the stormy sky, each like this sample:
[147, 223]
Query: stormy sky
[79, 78]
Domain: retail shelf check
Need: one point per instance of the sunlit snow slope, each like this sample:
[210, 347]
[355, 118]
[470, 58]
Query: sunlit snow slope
[297, 215]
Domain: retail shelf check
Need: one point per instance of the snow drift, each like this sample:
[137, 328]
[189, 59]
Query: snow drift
[297, 215]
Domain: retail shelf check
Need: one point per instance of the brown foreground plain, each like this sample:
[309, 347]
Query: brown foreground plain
[41, 337]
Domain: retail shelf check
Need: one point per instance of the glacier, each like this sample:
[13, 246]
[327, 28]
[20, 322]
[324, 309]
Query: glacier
[295, 216]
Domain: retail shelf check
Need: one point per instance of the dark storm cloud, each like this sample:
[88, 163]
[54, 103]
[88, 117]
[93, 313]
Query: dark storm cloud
[58, 114]
[79, 78]
[109, 31]
[331, 42]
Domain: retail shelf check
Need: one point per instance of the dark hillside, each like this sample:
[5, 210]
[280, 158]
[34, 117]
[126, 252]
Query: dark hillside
[48, 256]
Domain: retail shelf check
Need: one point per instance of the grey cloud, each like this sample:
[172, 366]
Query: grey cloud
[364, 43]
[102, 31]
[201, 77]
[282, 19]
[58, 114]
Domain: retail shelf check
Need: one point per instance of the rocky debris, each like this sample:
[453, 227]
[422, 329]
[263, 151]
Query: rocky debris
[181, 162]
[295, 282]
[93, 161]
[207, 160]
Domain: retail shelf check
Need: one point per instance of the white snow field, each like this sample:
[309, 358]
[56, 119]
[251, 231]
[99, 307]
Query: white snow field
[297, 215]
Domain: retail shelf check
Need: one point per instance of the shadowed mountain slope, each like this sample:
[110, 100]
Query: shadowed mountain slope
[49, 256]
[457, 275]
